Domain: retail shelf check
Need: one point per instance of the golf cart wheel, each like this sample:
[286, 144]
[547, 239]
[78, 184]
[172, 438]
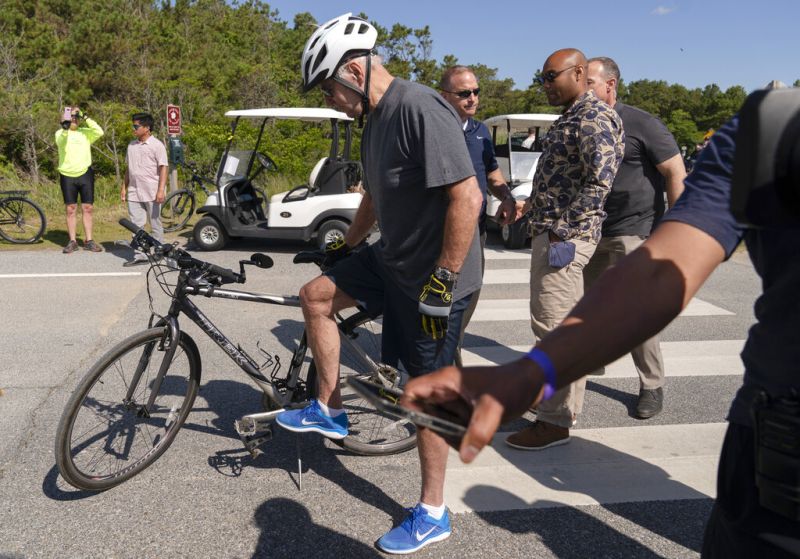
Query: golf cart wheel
[330, 231]
[209, 234]
[515, 235]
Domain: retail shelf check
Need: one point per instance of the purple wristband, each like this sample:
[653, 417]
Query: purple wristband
[540, 358]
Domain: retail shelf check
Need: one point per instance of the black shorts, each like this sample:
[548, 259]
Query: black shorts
[364, 278]
[739, 527]
[83, 185]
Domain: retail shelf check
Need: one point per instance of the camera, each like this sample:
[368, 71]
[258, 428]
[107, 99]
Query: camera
[766, 174]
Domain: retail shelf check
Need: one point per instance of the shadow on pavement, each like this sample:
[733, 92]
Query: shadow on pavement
[560, 471]
[287, 530]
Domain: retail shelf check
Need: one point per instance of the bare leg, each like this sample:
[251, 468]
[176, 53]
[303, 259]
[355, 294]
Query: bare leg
[433, 451]
[320, 300]
[72, 220]
[86, 212]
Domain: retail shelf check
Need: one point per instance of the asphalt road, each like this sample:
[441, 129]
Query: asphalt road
[207, 498]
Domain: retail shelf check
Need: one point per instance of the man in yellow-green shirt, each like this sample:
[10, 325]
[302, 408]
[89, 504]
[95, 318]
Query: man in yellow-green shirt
[74, 142]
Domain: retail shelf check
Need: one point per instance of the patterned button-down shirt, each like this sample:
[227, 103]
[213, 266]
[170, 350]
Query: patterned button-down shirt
[581, 154]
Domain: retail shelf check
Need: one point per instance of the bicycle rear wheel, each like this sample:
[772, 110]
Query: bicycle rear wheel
[21, 220]
[177, 209]
[371, 432]
[104, 439]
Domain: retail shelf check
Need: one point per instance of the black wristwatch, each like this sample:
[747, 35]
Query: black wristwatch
[444, 274]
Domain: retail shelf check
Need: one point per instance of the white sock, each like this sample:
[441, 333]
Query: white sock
[435, 512]
[330, 412]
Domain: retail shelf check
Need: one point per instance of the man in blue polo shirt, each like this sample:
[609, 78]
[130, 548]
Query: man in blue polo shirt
[639, 297]
[459, 87]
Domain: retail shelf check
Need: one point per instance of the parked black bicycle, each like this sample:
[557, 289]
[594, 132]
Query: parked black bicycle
[179, 206]
[131, 404]
[22, 221]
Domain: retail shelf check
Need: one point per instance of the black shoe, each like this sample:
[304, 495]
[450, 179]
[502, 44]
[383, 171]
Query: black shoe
[135, 262]
[650, 403]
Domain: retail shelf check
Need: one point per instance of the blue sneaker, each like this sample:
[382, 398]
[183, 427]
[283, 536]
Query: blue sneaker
[310, 419]
[415, 532]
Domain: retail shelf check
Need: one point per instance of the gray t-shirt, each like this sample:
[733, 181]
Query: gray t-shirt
[412, 145]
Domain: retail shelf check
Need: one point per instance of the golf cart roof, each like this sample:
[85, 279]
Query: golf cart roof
[315, 114]
[521, 121]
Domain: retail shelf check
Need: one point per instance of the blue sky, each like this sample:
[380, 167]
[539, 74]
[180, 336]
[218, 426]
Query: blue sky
[691, 42]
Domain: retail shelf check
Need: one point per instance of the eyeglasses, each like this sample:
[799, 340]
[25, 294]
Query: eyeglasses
[466, 93]
[552, 75]
[137, 126]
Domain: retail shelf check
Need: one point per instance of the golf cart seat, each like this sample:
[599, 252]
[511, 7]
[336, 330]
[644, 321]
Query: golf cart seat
[243, 200]
[333, 176]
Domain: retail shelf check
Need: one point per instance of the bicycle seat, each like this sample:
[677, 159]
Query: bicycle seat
[309, 257]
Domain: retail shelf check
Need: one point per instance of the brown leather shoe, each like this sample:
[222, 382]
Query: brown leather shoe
[539, 436]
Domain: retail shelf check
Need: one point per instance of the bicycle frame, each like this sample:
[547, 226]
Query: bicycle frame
[182, 304]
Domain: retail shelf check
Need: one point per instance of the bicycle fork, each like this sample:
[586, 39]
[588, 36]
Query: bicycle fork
[168, 344]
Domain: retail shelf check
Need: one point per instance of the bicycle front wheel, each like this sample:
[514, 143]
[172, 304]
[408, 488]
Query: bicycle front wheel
[21, 220]
[177, 209]
[371, 432]
[105, 437]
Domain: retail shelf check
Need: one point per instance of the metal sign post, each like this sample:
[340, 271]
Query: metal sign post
[173, 129]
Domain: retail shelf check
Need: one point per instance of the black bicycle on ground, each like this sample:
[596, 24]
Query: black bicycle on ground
[131, 404]
[22, 221]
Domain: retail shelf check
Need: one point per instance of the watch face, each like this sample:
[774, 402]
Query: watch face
[444, 274]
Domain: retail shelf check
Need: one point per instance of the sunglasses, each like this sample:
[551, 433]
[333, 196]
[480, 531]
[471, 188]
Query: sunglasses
[465, 93]
[326, 91]
[137, 126]
[552, 75]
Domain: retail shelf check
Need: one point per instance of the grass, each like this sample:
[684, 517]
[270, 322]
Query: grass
[108, 209]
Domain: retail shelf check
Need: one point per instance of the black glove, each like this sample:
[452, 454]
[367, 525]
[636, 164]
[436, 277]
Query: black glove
[435, 301]
[335, 251]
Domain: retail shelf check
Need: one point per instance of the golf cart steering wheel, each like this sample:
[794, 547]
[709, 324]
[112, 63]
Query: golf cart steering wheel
[266, 162]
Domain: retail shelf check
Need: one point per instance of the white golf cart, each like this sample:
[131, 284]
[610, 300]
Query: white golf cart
[321, 209]
[517, 163]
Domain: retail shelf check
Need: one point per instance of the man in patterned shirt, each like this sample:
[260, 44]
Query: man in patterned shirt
[581, 154]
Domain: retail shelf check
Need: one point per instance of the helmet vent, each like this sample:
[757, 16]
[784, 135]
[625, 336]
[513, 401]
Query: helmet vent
[349, 28]
[332, 23]
[363, 29]
[314, 42]
[320, 57]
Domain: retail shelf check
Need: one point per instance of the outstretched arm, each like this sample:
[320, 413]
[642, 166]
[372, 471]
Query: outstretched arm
[628, 304]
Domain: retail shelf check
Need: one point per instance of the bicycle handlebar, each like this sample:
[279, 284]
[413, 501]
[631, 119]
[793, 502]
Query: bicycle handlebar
[184, 259]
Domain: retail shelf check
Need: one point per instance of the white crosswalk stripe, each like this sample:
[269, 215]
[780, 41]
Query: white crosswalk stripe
[706, 358]
[518, 309]
[640, 463]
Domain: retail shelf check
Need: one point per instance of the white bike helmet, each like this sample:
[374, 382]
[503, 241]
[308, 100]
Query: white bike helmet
[334, 43]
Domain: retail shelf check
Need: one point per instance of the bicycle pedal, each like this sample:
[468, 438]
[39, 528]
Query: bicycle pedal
[256, 422]
[252, 442]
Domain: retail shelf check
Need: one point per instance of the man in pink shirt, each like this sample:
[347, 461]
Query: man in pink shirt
[144, 185]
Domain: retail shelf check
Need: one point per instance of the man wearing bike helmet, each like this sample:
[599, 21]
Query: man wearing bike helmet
[421, 189]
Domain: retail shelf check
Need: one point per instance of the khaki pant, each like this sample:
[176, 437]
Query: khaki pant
[646, 357]
[554, 292]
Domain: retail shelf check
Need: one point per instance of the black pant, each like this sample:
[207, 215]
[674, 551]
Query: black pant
[738, 524]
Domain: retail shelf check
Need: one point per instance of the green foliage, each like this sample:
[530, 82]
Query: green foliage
[117, 57]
